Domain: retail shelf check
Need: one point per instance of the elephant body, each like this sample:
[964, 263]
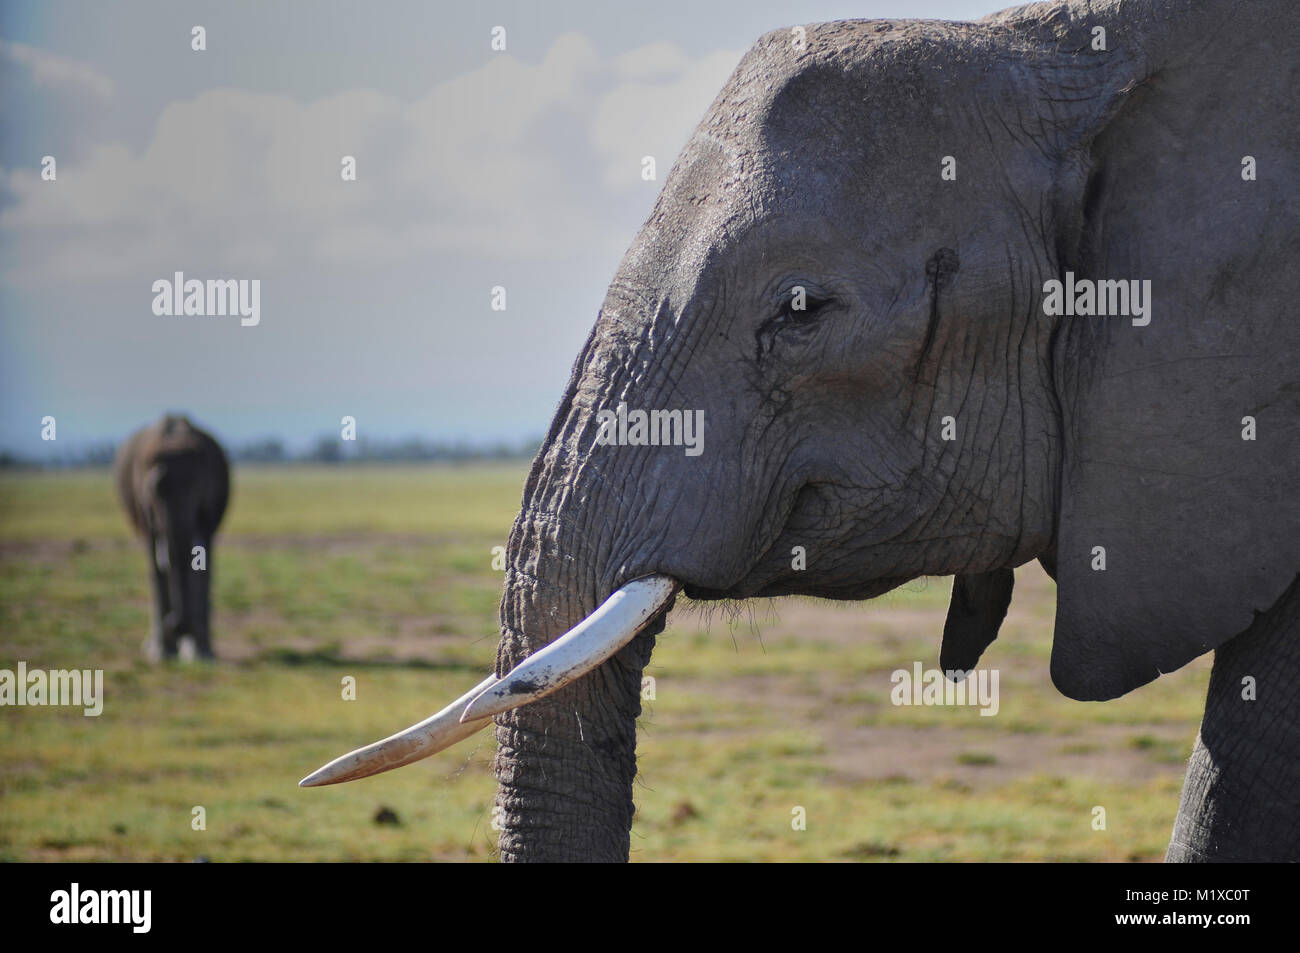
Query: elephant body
[1070, 438]
[174, 482]
[849, 273]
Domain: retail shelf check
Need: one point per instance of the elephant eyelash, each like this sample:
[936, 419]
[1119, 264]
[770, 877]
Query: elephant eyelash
[788, 318]
[812, 310]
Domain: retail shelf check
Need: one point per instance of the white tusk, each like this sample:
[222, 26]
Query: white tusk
[419, 741]
[577, 652]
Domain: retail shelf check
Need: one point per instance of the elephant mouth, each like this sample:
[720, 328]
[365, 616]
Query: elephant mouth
[769, 588]
[637, 607]
[807, 525]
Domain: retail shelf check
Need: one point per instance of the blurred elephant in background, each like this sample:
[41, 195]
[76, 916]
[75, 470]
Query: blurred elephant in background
[853, 277]
[174, 482]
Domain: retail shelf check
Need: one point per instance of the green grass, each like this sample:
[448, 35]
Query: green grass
[477, 500]
[384, 575]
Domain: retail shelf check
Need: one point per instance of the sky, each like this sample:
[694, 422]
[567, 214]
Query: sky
[475, 169]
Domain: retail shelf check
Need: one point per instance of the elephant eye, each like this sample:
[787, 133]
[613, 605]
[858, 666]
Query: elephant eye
[812, 307]
[791, 317]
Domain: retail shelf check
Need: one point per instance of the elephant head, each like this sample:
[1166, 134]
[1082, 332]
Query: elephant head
[844, 285]
[174, 483]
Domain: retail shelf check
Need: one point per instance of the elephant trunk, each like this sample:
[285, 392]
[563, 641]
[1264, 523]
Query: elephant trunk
[178, 555]
[179, 538]
[566, 762]
[587, 553]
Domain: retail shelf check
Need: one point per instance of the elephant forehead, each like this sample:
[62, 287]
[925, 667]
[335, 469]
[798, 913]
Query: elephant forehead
[842, 117]
[817, 135]
[829, 77]
[720, 198]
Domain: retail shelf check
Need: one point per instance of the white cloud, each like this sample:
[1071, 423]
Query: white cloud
[57, 72]
[652, 61]
[641, 118]
[509, 160]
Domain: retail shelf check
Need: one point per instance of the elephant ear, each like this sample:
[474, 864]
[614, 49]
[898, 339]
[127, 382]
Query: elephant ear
[978, 605]
[1181, 428]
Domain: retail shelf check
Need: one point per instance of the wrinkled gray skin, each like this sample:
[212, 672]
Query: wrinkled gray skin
[174, 482]
[821, 168]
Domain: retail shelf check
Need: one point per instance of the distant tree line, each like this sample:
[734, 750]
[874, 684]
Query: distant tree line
[325, 449]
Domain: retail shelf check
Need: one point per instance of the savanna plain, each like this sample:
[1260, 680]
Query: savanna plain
[385, 574]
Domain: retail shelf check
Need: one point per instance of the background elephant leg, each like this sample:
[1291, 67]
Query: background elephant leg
[162, 632]
[200, 582]
[1243, 781]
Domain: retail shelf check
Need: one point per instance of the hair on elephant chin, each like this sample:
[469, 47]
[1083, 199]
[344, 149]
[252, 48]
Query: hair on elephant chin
[173, 480]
